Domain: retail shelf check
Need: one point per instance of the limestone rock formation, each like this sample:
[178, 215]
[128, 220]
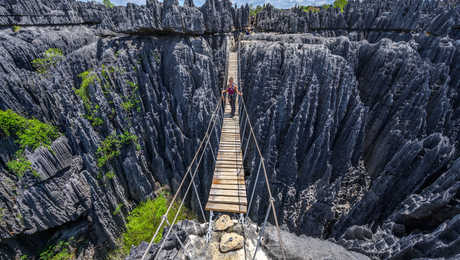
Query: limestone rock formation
[192, 236]
[154, 17]
[370, 19]
[357, 114]
[358, 134]
[129, 89]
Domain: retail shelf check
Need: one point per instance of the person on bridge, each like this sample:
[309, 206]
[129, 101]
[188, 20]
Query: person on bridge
[231, 90]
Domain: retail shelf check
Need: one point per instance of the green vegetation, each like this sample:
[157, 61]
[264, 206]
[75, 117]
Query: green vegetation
[16, 28]
[24, 257]
[326, 6]
[105, 72]
[60, 251]
[19, 166]
[110, 175]
[313, 9]
[50, 58]
[156, 57]
[254, 11]
[111, 146]
[340, 4]
[133, 101]
[28, 133]
[88, 78]
[117, 209]
[128, 105]
[145, 219]
[20, 218]
[108, 4]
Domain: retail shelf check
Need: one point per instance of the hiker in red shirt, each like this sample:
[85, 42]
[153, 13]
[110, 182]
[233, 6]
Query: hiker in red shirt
[231, 90]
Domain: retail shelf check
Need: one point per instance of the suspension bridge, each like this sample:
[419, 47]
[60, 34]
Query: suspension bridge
[228, 192]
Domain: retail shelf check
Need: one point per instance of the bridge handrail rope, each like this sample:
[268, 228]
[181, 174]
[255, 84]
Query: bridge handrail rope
[205, 139]
[262, 163]
[188, 189]
[201, 149]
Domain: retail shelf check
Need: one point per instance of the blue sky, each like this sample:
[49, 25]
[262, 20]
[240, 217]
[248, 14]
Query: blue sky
[276, 3]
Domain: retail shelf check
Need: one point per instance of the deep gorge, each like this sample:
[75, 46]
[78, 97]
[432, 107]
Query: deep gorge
[358, 122]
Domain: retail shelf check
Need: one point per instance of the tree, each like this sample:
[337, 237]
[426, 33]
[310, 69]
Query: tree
[108, 4]
[340, 4]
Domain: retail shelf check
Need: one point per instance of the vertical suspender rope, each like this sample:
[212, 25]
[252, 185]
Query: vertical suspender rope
[186, 192]
[198, 198]
[267, 182]
[183, 180]
[254, 189]
[262, 230]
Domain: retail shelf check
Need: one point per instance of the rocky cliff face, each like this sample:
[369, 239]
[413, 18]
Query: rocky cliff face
[127, 56]
[361, 139]
[371, 19]
[193, 236]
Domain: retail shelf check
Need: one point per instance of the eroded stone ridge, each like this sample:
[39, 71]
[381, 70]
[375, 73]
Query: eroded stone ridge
[371, 19]
[360, 139]
[215, 16]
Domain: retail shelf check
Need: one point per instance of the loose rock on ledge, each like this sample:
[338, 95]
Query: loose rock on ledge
[223, 223]
[230, 242]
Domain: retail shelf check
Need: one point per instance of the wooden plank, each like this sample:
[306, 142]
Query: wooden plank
[228, 182]
[236, 163]
[227, 174]
[223, 166]
[230, 151]
[228, 187]
[223, 172]
[233, 193]
[230, 160]
[231, 156]
[218, 207]
[228, 200]
[227, 170]
[229, 177]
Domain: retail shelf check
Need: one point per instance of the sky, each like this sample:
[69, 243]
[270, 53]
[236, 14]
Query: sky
[276, 3]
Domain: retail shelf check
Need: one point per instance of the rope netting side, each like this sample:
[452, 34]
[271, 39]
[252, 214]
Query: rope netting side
[201, 149]
[262, 165]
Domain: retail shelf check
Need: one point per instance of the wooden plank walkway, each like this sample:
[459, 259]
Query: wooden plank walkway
[228, 189]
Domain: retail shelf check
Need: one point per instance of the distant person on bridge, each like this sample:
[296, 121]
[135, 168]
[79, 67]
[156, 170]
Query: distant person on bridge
[231, 90]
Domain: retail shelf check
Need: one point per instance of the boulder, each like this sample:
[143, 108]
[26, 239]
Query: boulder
[223, 223]
[231, 242]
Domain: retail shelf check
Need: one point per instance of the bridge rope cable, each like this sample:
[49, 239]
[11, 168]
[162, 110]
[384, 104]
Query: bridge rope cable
[208, 137]
[262, 163]
[267, 182]
[205, 139]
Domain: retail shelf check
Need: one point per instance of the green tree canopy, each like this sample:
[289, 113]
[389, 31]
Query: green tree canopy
[340, 4]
